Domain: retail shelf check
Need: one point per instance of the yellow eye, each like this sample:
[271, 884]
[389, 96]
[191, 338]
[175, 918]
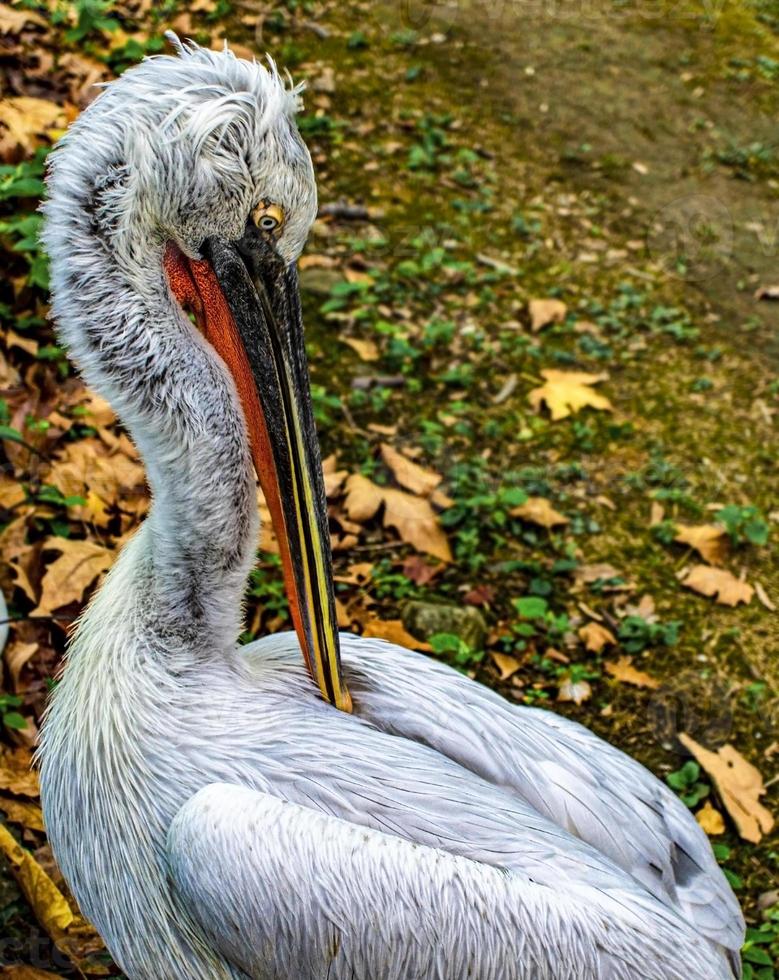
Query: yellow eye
[268, 217]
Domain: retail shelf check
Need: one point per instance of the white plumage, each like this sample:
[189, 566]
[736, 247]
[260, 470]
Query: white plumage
[213, 816]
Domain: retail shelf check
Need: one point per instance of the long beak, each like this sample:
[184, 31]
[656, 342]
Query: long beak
[250, 312]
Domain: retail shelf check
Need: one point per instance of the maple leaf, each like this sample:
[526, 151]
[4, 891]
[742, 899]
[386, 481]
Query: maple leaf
[69, 576]
[409, 474]
[566, 392]
[720, 584]
[596, 637]
[538, 510]
[739, 785]
[545, 311]
[412, 517]
[709, 540]
[623, 670]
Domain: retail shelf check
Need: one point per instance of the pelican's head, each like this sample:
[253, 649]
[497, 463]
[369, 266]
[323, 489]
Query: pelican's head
[192, 168]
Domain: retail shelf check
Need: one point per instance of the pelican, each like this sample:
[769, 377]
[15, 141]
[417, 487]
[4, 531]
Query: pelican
[213, 812]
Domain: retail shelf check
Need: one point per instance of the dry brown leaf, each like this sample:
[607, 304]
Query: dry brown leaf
[68, 577]
[363, 498]
[538, 510]
[710, 820]
[394, 631]
[576, 691]
[17, 775]
[366, 350]
[16, 656]
[506, 664]
[333, 477]
[358, 574]
[566, 392]
[656, 513]
[596, 637]
[13, 21]
[410, 475]
[544, 312]
[26, 973]
[623, 670]
[27, 814]
[23, 120]
[87, 469]
[47, 901]
[718, 583]
[412, 517]
[709, 540]
[416, 522]
[11, 492]
[739, 785]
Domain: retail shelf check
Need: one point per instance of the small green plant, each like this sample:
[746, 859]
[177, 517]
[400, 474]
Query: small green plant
[8, 713]
[745, 525]
[637, 634]
[760, 953]
[688, 784]
[455, 650]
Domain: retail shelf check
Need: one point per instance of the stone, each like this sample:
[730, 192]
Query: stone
[425, 619]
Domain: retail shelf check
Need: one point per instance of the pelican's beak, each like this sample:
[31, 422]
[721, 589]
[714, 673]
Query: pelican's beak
[250, 312]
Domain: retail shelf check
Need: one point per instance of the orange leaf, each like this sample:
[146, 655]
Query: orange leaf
[720, 584]
[739, 784]
[623, 670]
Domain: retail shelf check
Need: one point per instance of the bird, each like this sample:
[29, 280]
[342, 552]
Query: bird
[308, 806]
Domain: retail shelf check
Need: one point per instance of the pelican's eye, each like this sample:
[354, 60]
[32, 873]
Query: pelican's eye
[268, 217]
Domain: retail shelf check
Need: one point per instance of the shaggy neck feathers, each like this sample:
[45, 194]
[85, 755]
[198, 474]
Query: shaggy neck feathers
[116, 314]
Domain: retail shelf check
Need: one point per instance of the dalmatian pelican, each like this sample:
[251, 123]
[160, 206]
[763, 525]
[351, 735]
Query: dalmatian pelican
[213, 812]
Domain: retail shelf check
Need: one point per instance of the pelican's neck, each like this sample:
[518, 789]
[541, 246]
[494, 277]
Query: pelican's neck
[122, 325]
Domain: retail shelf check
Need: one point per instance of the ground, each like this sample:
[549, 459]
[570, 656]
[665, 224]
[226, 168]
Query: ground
[473, 159]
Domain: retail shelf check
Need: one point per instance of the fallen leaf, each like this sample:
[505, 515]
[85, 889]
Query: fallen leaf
[47, 901]
[416, 523]
[363, 498]
[418, 571]
[17, 775]
[596, 637]
[623, 670]
[23, 120]
[27, 814]
[710, 820]
[16, 656]
[544, 312]
[412, 517]
[394, 631]
[739, 785]
[718, 583]
[366, 350]
[538, 510]
[709, 540]
[576, 691]
[767, 292]
[566, 392]
[26, 973]
[11, 492]
[410, 475]
[13, 21]
[358, 574]
[69, 576]
[506, 664]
